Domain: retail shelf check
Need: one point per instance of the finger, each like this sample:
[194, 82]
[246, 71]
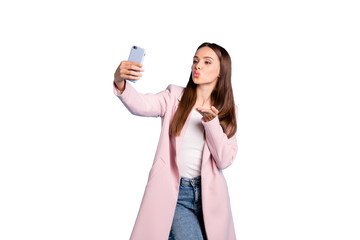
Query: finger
[125, 72]
[134, 66]
[205, 118]
[127, 63]
[134, 63]
[131, 78]
[208, 118]
[207, 112]
[131, 66]
[201, 112]
[215, 110]
[134, 73]
[201, 109]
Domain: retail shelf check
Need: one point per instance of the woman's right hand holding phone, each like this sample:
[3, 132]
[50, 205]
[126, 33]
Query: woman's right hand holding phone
[127, 70]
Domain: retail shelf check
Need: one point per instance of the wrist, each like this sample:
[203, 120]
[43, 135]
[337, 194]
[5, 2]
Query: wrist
[119, 84]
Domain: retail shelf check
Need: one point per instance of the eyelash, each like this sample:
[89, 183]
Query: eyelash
[206, 62]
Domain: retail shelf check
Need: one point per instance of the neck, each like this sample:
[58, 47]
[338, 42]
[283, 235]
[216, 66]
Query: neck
[203, 95]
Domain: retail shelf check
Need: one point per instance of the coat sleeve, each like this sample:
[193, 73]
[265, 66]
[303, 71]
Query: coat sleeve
[222, 148]
[146, 105]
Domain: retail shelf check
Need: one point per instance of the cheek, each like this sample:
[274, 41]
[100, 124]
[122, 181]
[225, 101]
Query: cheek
[215, 72]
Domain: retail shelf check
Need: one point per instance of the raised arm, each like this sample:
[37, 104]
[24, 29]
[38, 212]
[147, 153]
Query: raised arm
[148, 105]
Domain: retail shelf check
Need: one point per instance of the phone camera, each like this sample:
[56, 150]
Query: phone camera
[135, 47]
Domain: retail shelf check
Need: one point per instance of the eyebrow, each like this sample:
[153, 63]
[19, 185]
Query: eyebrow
[204, 57]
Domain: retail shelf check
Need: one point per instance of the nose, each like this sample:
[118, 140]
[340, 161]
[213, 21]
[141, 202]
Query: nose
[197, 66]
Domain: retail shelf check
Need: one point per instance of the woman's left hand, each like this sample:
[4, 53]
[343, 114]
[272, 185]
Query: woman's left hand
[208, 114]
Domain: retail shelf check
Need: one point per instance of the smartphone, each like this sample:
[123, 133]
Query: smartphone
[137, 54]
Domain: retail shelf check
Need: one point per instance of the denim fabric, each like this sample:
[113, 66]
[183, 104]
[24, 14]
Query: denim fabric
[188, 222]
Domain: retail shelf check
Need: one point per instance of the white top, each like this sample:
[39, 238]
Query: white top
[191, 149]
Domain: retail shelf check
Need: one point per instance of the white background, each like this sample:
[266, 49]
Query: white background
[74, 161]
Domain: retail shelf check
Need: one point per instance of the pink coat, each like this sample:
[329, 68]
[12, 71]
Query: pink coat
[159, 201]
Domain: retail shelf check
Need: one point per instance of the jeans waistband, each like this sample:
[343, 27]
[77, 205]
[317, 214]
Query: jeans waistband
[191, 181]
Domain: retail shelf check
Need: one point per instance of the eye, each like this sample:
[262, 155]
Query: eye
[195, 61]
[207, 62]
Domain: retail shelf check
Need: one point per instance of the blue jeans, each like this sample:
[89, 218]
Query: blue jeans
[188, 222]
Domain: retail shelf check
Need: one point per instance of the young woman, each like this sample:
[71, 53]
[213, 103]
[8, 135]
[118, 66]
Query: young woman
[186, 197]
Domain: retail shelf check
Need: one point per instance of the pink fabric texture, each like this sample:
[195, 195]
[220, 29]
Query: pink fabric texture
[159, 201]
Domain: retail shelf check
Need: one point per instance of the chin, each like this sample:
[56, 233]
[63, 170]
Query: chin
[198, 80]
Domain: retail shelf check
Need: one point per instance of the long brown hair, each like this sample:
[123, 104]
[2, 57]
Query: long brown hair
[222, 97]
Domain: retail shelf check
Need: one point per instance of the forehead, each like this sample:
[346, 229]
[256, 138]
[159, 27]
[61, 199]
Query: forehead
[206, 52]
